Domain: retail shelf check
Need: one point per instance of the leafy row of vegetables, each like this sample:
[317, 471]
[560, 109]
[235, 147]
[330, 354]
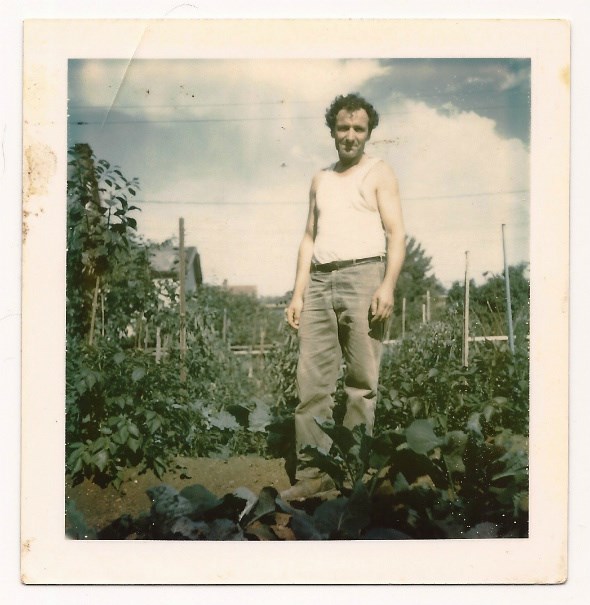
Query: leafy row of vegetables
[411, 484]
[448, 459]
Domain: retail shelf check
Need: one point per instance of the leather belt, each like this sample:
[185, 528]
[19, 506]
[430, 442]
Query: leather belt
[342, 264]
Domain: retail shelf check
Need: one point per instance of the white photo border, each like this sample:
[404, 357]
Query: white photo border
[48, 557]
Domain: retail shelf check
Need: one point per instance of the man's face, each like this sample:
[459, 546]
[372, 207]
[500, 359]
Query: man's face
[350, 134]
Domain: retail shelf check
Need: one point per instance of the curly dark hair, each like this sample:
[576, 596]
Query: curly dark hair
[352, 102]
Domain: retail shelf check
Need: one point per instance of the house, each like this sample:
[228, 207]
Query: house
[164, 265]
[243, 290]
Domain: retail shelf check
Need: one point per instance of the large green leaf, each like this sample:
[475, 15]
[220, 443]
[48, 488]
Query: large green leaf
[265, 505]
[101, 459]
[249, 497]
[453, 449]
[344, 517]
[201, 499]
[259, 418]
[223, 420]
[137, 374]
[168, 504]
[482, 530]
[343, 438]
[365, 446]
[384, 533]
[421, 437]
[76, 526]
[240, 413]
[359, 511]
[327, 464]
[386, 443]
[474, 423]
[329, 516]
[304, 528]
[413, 465]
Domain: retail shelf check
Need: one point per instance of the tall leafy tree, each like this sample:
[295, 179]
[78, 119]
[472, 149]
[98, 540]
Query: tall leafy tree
[102, 249]
[415, 280]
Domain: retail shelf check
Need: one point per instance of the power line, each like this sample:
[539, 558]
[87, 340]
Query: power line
[208, 203]
[192, 121]
[302, 203]
[259, 119]
[399, 98]
[192, 105]
[463, 195]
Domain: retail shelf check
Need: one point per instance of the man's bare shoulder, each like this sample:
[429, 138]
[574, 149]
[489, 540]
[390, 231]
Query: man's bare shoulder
[319, 175]
[381, 174]
[381, 179]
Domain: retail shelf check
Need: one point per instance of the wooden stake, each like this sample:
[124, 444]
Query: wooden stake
[508, 301]
[428, 305]
[93, 315]
[102, 313]
[403, 318]
[158, 344]
[466, 314]
[262, 335]
[139, 332]
[182, 278]
[423, 313]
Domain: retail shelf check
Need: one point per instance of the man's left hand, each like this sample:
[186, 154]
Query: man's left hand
[382, 303]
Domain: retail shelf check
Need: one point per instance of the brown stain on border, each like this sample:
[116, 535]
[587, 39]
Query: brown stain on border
[39, 166]
[564, 75]
[25, 548]
[40, 163]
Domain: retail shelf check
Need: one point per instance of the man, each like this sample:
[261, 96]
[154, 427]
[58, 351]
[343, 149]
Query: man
[348, 264]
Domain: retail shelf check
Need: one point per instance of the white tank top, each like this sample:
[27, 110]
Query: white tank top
[348, 225]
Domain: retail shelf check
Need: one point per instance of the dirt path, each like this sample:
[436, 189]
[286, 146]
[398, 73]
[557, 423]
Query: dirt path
[101, 506]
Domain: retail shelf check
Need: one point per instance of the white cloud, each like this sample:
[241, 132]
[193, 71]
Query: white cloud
[453, 153]
[221, 82]
[444, 162]
[443, 155]
[314, 80]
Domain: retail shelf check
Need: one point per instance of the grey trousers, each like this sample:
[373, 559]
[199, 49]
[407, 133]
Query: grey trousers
[335, 323]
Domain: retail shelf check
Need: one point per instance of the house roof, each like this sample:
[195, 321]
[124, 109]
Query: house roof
[164, 263]
[246, 289]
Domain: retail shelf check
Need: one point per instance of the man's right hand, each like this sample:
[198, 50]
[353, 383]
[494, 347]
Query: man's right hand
[293, 312]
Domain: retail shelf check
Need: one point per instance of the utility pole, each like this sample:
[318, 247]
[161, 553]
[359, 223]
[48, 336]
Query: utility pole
[508, 301]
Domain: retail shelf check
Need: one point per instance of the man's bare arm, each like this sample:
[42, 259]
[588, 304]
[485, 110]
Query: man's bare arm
[304, 257]
[390, 209]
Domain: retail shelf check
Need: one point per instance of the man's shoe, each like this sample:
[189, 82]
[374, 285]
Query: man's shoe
[307, 488]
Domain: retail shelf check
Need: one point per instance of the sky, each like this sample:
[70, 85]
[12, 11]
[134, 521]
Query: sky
[232, 145]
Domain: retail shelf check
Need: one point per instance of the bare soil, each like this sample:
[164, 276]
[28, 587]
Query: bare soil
[100, 506]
